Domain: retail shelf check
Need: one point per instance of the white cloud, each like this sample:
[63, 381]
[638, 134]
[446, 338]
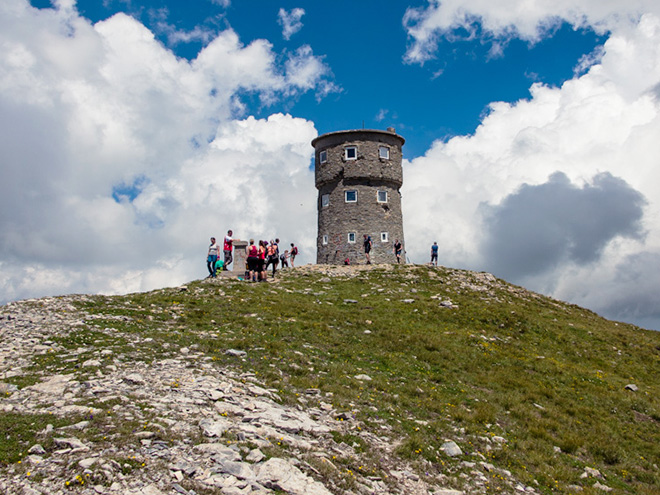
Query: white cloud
[290, 21]
[599, 132]
[506, 19]
[90, 113]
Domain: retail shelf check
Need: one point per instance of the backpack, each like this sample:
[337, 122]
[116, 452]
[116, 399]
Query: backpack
[294, 251]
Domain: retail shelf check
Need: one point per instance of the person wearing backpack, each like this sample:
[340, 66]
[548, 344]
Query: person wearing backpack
[292, 254]
[252, 260]
[272, 257]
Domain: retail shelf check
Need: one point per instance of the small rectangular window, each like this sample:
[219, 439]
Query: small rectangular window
[351, 237]
[351, 196]
[384, 152]
[323, 156]
[382, 196]
[384, 237]
[325, 240]
[350, 152]
[325, 200]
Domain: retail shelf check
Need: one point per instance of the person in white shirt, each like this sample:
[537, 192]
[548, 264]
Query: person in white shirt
[212, 257]
[228, 248]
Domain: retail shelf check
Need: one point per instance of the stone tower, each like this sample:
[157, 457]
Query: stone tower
[358, 175]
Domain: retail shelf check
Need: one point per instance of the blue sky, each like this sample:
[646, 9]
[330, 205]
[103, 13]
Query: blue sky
[131, 131]
[364, 45]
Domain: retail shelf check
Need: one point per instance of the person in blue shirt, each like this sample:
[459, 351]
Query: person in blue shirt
[434, 254]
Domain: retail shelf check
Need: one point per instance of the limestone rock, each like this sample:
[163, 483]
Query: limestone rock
[451, 449]
[279, 474]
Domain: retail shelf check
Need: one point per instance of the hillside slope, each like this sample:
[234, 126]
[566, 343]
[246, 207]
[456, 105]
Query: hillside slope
[383, 379]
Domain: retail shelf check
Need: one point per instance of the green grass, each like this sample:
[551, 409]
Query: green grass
[505, 363]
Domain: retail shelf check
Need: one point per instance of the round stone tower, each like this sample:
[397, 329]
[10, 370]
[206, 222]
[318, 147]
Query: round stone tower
[358, 175]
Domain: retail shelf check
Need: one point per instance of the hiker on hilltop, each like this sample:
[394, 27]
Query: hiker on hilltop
[367, 248]
[272, 256]
[262, 261]
[398, 247]
[252, 252]
[212, 257]
[292, 254]
[228, 248]
[283, 259]
[434, 254]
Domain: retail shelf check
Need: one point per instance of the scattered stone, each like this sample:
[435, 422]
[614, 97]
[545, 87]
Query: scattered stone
[591, 473]
[255, 456]
[632, 387]
[87, 463]
[212, 428]
[134, 379]
[451, 449]
[235, 353]
[279, 474]
[363, 377]
[37, 450]
[604, 488]
[72, 443]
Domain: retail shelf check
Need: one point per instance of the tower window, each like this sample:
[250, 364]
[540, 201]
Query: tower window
[382, 196]
[384, 152]
[350, 152]
[384, 237]
[325, 200]
[325, 240]
[323, 156]
[351, 237]
[350, 196]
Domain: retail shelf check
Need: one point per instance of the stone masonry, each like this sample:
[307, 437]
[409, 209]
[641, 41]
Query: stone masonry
[358, 175]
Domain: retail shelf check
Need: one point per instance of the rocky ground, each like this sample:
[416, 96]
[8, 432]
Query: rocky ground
[178, 424]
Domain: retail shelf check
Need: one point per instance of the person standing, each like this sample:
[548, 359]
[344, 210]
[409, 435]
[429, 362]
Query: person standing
[292, 254]
[434, 254]
[227, 248]
[252, 260]
[367, 248]
[283, 259]
[272, 256]
[212, 257]
[397, 250]
[262, 261]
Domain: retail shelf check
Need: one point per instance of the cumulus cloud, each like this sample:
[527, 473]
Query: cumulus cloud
[119, 160]
[541, 226]
[551, 190]
[502, 20]
[290, 21]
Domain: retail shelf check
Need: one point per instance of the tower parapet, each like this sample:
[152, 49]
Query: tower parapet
[358, 175]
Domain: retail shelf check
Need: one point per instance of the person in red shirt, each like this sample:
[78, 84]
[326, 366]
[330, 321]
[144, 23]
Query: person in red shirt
[228, 248]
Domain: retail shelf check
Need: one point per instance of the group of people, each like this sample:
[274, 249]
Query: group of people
[213, 260]
[397, 248]
[259, 257]
[264, 254]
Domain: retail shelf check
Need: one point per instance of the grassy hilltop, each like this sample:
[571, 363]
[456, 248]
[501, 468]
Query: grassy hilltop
[533, 387]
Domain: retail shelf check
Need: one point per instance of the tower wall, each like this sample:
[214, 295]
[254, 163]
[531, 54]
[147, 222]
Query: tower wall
[373, 206]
